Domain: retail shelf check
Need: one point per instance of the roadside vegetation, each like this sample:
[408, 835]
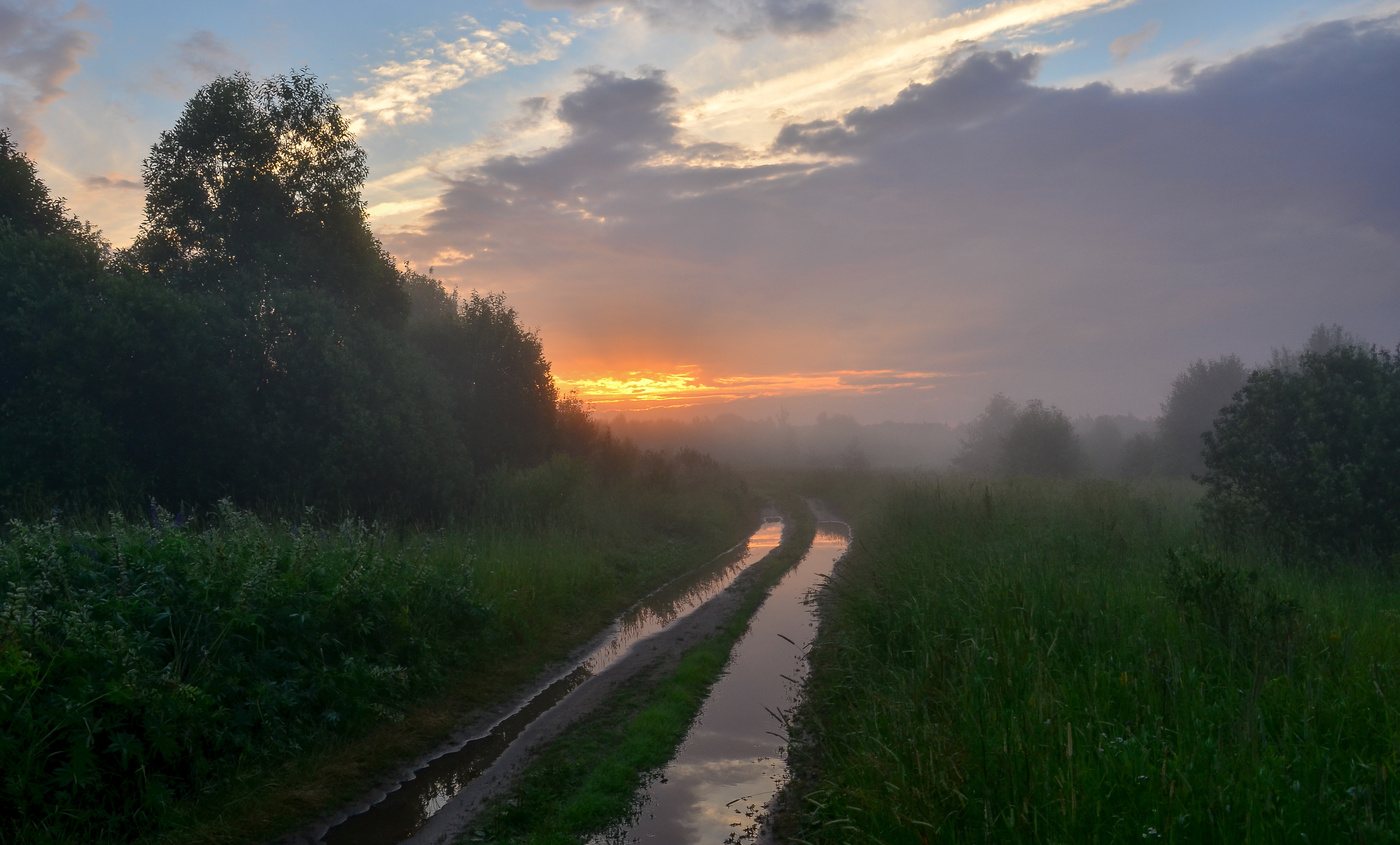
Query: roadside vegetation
[1038, 659]
[277, 511]
[1035, 660]
[153, 673]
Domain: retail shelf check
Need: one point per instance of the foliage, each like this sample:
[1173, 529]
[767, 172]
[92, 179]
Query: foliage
[255, 343]
[1197, 396]
[1324, 339]
[980, 451]
[502, 397]
[1020, 662]
[141, 662]
[1311, 454]
[256, 188]
[1013, 440]
[1041, 442]
[25, 202]
[148, 668]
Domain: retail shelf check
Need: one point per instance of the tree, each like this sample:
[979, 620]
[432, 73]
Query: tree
[1041, 441]
[25, 202]
[257, 187]
[980, 450]
[1324, 339]
[1197, 396]
[503, 398]
[1312, 454]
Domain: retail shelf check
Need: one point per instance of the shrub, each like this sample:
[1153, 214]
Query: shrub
[1311, 454]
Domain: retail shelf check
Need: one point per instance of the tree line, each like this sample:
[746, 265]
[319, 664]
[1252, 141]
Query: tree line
[1304, 450]
[255, 342]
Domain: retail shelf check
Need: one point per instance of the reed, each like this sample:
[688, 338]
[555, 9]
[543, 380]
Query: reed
[1036, 661]
[165, 678]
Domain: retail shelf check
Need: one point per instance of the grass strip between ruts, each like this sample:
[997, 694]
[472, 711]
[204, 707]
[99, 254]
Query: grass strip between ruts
[590, 777]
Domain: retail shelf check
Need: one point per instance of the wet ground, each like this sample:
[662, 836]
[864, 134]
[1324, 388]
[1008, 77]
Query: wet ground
[718, 787]
[405, 810]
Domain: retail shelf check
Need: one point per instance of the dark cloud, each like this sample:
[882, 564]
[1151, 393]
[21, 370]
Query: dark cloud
[203, 56]
[1079, 244]
[742, 19]
[615, 121]
[969, 87]
[194, 60]
[40, 44]
[104, 183]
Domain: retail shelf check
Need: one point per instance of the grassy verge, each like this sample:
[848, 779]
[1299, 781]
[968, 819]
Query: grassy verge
[590, 777]
[1062, 662]
[228, 680]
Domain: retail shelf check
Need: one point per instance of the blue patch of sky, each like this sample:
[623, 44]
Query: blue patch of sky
[1207, 29]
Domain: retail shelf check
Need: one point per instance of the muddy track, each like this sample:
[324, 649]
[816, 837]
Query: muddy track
[646, 663]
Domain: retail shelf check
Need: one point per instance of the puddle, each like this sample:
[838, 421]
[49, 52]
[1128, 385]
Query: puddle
[718, 787]
[402, 812]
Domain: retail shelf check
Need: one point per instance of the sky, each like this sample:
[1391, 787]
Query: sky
[887, 209]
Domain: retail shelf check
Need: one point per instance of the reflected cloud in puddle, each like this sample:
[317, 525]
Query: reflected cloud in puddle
[718, 787]
[402, 812]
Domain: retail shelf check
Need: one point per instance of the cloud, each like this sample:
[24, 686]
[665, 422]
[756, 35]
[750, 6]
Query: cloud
[969, 87]
[1125, 45]
[40, 45]
[401, 90]
[110, 182]
[193, 61]
[741, 19]
[204, 56]
[644, 391]
[1079, 244]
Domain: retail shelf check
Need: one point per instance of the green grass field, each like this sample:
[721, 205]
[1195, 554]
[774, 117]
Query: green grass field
[1036, 661]
[227, 678]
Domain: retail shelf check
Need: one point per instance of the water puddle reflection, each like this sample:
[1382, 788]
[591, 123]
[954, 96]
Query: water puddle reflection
[402, 812]
[718, 787]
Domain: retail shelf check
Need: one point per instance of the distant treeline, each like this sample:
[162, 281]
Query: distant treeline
[255, 342]
[1008, 438]
[834, 441]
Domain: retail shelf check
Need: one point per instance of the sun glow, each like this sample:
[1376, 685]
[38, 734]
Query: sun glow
[688, 387]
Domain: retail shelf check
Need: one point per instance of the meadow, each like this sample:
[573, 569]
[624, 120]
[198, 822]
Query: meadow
[174, 678]
[1076, 661]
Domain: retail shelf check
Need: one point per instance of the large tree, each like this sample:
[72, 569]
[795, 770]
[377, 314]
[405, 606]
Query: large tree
[257, 187]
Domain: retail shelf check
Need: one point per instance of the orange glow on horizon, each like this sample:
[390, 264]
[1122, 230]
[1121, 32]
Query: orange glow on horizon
[642, 390]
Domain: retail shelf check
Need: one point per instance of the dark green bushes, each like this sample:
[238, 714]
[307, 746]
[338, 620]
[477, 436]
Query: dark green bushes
[147, 669]
[140, 664]
[1308, 456]
[255, 343]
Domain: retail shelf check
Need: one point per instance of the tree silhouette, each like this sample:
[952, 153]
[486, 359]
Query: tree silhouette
[1041, 441]
[257, 186]
[980, 449]
[1197, 396]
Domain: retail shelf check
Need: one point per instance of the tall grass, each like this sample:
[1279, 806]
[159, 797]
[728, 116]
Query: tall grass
[147, 665]
[1062, 662]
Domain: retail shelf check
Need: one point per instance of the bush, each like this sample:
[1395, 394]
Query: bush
[1311, 454]
[1041, 442]
[141, 664]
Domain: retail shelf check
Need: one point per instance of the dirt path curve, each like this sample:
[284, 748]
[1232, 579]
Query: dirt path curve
[649, 661]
